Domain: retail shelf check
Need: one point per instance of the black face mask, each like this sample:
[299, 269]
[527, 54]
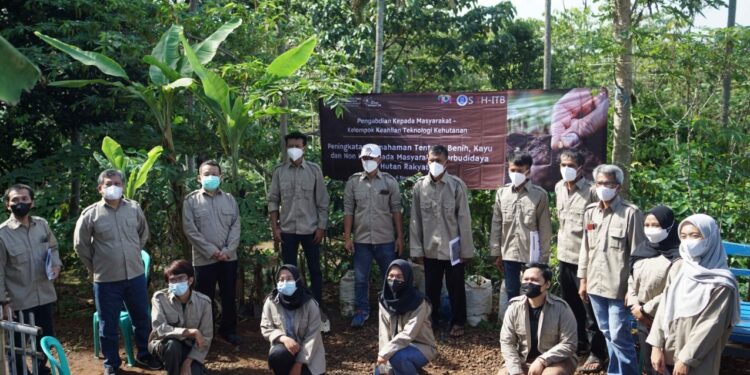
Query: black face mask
[395, 285]
[531, 290]
[20, 209]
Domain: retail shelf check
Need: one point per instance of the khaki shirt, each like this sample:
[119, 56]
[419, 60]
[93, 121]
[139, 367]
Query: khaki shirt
[609, 237]
[515, 214]
[646, 284]
[170, 319]
[396, 332]
[109, 240]
[23, 252]
[570, 208]
[300, 196]
[557, 335]
[372, 202]
[440, 213]
[211, 223]
[306, 328]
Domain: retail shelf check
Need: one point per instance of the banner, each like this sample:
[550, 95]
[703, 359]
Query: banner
[479, 129]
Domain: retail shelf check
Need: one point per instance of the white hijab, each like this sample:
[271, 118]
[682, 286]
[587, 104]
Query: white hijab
[690, 291]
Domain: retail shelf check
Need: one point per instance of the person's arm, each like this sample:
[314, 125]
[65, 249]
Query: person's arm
[398, 221]
[274, 200]
[206, 328]
[631, 297]
[709, 327]
[53, 244]
[268, 330]
[349, 207]
[142, 227]
[583, 260]
[656, 336]
[321, 200]
[312, 337]
[82, 242]
[545, 227]
[411, 330]
[193, 234]
[463, 218]
[416, 248]
[3, 287]
[159, 323]
[636, 236]
[509, 343]
[568, 344]
[496, 230]
[233, 237]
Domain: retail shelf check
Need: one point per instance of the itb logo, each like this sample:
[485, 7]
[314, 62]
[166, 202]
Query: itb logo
[444, 99]
[463, 100]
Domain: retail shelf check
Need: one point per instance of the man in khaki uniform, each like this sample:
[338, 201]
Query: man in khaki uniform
[613, 228]
[539, 330]
[372, 205]
[29, 264]
[211, 222]
[441, 227]
[108, 239]
[521, 227]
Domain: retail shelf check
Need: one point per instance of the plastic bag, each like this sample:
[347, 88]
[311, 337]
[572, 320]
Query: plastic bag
[346, 294]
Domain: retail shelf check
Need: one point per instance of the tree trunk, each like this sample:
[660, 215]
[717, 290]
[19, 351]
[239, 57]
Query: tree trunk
[75, 183]
[621, 152]
[727, 75]
[379, 34]
[547, 45]
[283, 127]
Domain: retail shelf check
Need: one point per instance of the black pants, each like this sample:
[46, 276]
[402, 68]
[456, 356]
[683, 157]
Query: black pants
[280, 361]
[289, 246]
[434, 270]
[225, 273]
[588, 330]
[43, 319]
[172, 352]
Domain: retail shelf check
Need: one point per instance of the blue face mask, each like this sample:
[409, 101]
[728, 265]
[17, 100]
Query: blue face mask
[210, 183]
[179, 289]
[286, 288]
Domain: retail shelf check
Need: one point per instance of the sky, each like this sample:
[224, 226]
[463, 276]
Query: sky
[711, 17]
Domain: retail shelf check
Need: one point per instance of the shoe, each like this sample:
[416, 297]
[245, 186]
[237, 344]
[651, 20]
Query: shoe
[148, 362]
[111, 371]
[231, 339]
[360, 317]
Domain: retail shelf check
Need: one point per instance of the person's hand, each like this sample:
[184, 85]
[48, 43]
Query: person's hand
[381, 360]
[276, 232]
[582, 291]
[577, 115]
[290, 345]
[400, 246]
[536, 367]
[55, 272]
[499, 264]
[196, 335]
[349, 245]
[319, 233]
[7, 312]
[185, 368]
[418, 260]
[217, 254]
[636, 311]
[466, 261]
[657, 360]
[680, 368]
[296, 369]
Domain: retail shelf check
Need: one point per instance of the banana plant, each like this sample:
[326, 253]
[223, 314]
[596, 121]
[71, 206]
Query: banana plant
[138, 173]
[17, 73]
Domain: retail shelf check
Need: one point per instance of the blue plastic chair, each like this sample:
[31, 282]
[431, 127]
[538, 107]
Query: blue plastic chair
[126, 325]
[57, 366]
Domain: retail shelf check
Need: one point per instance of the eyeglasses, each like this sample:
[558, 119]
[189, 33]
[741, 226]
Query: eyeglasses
[178, 278]
[609, 184]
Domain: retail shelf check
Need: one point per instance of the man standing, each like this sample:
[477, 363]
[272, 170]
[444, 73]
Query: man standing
[441, 236]
[613, 229]
[29, 264]
[211, 222]
[298, 207]
[521, 228]
[372, 205]
[108, 238]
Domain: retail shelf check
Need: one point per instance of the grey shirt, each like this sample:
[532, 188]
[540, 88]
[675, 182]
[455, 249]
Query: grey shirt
[211, 223]
[306, 331]
[571, 206]
[170, 319]
[372, 202]
[299, 194]
[517, 213]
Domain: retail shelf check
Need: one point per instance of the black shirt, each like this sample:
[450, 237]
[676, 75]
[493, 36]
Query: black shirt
[534, 314]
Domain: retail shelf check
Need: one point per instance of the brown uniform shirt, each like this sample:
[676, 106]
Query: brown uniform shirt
[109, 240]
[570, 208]
[646, 284]
[23, 252]
[372, 202]
[300, 196]
[440, 213]
[170, 319]
[396, 332]
[211, 223]
[515, 214]
[306, 330]
[609, 237]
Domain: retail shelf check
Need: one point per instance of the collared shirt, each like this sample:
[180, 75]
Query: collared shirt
[646, 284]
[300, 195]
[372, 202]
[516, 213]
[439, 214]
[109, 240]
[23, 252]
[610, 235]
[570, 208]
[305, 329]
[170, 318]
[211, 223]
[396, 332]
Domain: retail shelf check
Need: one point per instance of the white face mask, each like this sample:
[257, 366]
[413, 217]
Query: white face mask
[436, 169]
[568, 173]
[655, 235]
[294, 153]
[369, 165]
[112, 192]
[694, 248]
[517, 178]
[606, 194]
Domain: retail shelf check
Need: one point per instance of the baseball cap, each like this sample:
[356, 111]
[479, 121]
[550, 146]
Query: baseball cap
[371, 150]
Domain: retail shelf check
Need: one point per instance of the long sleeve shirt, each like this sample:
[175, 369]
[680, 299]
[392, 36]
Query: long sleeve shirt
[372, 202]
[170, 319]
[517, 213]
[211, 223]
[306, 330]
[571, 205]
[396, 332]
[299, 194]
[646, 284]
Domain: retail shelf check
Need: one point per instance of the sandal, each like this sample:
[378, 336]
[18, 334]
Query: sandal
[592, 365]
[457, 331]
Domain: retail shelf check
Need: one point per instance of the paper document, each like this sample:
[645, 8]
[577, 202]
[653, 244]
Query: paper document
[48, 265]
[455, 248]
[535, 251]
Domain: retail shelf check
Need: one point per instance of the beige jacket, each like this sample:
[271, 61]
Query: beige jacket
[557, 333]
[372, 203]
[170, 320]
[300, 195]
[515, 214]
[571, 206]
[211, 223]
[396, 332]
[646, 284]
[306, 327]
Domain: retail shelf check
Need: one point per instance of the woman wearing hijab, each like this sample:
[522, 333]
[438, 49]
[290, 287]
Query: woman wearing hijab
[700, 304]
[291, 323]
[406, 340]
[650, 264]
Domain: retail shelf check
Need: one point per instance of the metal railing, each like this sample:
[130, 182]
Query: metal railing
[12, 355]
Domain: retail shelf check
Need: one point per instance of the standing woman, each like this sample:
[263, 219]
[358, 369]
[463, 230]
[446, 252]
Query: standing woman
[405, 334]
[291, 323]
[650, 264]
[700, 304]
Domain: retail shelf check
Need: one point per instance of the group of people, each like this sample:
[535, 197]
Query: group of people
[614, 264]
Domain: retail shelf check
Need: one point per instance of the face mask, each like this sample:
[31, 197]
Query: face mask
[655, 235]
[210, 183]
[20, 209]
[436, 169]
[531, 290]
[568, 173]
[294, 153]
[395, 285]
[694, 248]
[286, 288]
[606, 194]
[517, 178]
[112, 192]
[179, 289]
[369, 165]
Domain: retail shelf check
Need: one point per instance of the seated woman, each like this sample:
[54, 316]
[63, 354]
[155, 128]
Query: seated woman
[699, 306]
[405, 334]
[182, 322]
[291, 323]
[650, 264]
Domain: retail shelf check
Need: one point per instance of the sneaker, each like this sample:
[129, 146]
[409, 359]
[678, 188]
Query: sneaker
[231, 339]
[148, 362]
[359, 319]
